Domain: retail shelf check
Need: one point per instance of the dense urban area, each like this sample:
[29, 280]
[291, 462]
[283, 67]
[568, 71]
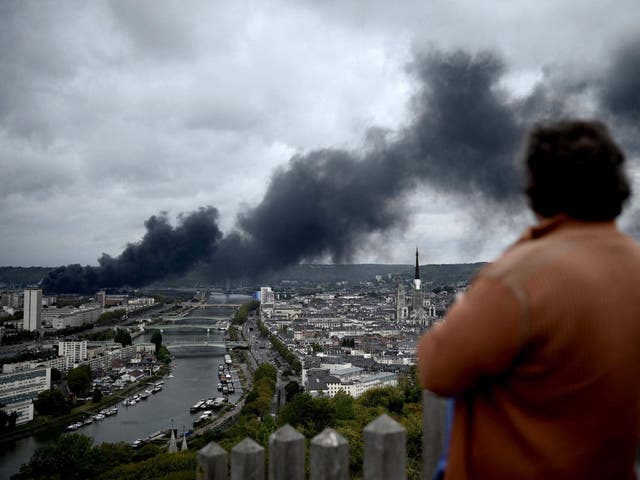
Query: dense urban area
[306, 353]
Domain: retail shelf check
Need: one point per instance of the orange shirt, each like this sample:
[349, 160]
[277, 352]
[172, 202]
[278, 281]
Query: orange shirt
[542, 354]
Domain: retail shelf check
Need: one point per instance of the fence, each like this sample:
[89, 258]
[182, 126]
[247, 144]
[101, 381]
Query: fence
[384, 455]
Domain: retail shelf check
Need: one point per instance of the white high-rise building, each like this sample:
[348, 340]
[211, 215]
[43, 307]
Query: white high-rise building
[76, 352]
[267, 295]
[32, 309]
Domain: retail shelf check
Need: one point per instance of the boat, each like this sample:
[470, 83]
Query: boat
[156, 389]
[204, 417]
[219, 387]
[170, 375]
[88, 421]
[197, 406]
[99, 416]
[231, 388]
[136, 443]
[74, 426]
[160, 383]
[225, 390]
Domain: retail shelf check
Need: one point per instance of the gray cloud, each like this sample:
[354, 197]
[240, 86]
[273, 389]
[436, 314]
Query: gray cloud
[111, 112]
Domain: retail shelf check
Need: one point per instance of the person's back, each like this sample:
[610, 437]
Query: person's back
[543, 356]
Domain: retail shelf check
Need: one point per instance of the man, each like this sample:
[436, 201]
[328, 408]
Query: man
[542, 353]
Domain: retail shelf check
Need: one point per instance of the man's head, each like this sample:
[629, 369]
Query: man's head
[575, 168]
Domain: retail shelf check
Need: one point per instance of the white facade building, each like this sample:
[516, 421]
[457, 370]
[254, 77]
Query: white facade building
[75, 352]
[59, 363]
[267, 295]
[32, 309]
[72, 317]
[18, 390]
[357, 387]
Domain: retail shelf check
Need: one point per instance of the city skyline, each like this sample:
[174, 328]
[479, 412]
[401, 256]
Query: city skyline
[113, 112]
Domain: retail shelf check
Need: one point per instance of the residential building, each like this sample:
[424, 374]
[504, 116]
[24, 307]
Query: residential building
[65, 317]
[32, 309]
[357, 386]
[59, 363]
[75, 352]
[18, 390]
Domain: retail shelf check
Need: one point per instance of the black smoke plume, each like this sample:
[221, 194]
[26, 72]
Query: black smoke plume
[163, 250]
[463, 140]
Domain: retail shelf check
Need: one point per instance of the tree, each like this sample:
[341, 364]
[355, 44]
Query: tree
[163, 355]
[97, 395]
[389, 398]
[7, 420]
[123, 337]
[79, 380]
[292, 389]
[156, 339]
[310, 415]
[56, 375]
[70, 457]
[51, 402]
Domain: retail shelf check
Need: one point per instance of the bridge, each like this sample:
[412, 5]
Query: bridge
[203, 305]
[216, 344]
[176, 326]
[209, 318]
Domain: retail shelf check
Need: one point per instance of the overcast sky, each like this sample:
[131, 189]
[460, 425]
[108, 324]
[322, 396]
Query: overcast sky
[112, 111]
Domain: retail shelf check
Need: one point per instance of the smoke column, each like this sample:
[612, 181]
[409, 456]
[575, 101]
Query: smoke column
[163, 250]
[464, 140]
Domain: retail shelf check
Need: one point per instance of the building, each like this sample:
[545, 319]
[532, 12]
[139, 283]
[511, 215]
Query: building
[419, 311]
[65, 317]
[402, 310]
[75, 352]
[59, 363]
[32, 309]
[18, 390]
[140, 302]
[101, 298]
[267, 296]
[358, 386]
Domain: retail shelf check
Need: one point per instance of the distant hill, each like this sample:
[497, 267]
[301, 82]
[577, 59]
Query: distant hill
[435, 275]
[22, 276]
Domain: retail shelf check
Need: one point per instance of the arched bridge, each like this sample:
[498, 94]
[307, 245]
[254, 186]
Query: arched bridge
[195, 318]
[190, 343]
[164, 326]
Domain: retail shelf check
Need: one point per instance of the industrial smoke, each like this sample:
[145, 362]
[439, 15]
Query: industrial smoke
[463, 140]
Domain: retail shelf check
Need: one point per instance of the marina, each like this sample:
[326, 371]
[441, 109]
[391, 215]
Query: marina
[193, 378]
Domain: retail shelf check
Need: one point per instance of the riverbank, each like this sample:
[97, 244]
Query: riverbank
[42, 424]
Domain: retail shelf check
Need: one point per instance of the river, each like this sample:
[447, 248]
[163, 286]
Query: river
[194, 378]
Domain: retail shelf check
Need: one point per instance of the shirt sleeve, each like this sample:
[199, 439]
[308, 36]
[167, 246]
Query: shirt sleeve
[479, 338]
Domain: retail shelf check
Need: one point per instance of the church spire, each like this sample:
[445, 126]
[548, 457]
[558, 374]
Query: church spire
[416, 277]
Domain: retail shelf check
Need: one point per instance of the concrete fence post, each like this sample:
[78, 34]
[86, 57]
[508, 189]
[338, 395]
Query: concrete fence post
[385, 450]
[329, 456]
[247, 461]
[434, 411]
[213, 463]
[286, 454]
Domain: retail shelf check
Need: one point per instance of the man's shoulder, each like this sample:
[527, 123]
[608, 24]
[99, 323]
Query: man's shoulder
[526, 258]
